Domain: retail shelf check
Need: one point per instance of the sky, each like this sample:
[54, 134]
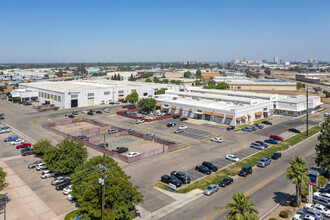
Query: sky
[43, 31]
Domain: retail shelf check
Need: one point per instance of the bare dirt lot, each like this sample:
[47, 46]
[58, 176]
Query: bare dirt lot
[78, 126]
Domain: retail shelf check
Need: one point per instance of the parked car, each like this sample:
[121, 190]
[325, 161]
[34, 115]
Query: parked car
[260, 126]
[257, 146]
[131, 107]
[183, 119]
[178, 130]
[91, 110]
[254, 128]
[276, 137]
[271, 141]
[321, 200]
[67, 190]
[171, 179]
[203, 169]
[120, 150]
[246, 170]
[263, 162]
[4, 130]
[230, 128]
[27, 103]
[129, 129]
[106, 110]
[112, 131]
[262, 143]
[98, 112]
[176, 116]
[71, 197]
[150, 134]
[23, 145]
[132, 154]
[84, 111]
[276, 156]
[11, 138]
[295, 130]
[62, 185]
[170, 124]
[41, 166]
[27, 151]
[139, 121]
[103, 145]
[59, 180]
[22, 102]
[326, 114]
[34, 164]
[75, 113]
[183, 127]
[82, 137]
[324, 195]
[144, 112]
[320, 208]
[226, 181]
[16, 142]
[311, 212]
[232, 157]
[90, 113]
[267, 122]
[181, 176]
[248, 129]
[47, 174]
[217, 139]
[211, 189]
[71, 116]
[210, 165]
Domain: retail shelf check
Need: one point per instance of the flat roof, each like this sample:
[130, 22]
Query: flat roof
[297, 99]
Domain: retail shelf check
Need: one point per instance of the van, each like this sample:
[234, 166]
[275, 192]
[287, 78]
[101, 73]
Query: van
[11, 138]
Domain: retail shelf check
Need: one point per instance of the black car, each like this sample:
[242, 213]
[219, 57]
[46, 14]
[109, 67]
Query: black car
[230, 128]
[62, 185]
[276, 155]
[183, 119]
[267, 122]
[103, 145]
[262, 143]
[181, 176]
[294, 130]
[259, 126]
[210, 165]
[170, 124]
[98, 112]
[71, 116]
[131, 107]
[176, 116]
[246, 170]
[171, 179]
[120, 150]
[226, 181]
[90, 113]
[82, 137]
[203, 169]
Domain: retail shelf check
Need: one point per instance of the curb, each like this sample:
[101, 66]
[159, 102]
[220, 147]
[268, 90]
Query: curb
[20, 133]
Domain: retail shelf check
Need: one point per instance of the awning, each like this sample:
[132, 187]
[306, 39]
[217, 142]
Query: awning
[158, 105]
[198, 113]
[229, 116]
[190, 110]
[219, 115]
[173, 107]
[207, 113]
[166, 107]
[238, 119]
[258, 113]
[249, 116]
[243, 117]
[181, 108]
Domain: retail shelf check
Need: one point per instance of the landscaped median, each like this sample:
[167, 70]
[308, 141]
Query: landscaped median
[216, 177]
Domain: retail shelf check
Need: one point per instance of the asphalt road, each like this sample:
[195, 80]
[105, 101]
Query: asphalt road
[266, 186]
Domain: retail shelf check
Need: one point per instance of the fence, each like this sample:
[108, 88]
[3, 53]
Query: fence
[121, 113]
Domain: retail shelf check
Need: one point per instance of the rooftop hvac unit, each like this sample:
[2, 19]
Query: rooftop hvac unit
[175, 98]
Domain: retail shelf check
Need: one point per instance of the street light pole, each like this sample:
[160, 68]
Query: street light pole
[102, 183]
[231, 162]
[307, 109]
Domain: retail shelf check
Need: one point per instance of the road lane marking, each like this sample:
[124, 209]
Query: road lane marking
[262, 184]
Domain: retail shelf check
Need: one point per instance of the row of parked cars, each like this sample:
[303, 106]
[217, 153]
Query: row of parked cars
[26, 148]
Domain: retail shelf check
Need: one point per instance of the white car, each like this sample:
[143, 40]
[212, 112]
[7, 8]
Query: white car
[71, 197]
[324, 195]
[132, 154]
[17, 142]
[47, 174]
[216, 139]
[67, 190]
[232, 157]
[178, 131]
[151, 134]
[304, 217]
[326, 114]
[106, 110]
[320, 208]
[84, 111]
[139, 121]
[183, 127]
[41, 166]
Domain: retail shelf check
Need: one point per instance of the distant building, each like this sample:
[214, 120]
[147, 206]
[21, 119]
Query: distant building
[276, 60]
[209, 75]
[174, 75]
[312, 77]
[313, 60]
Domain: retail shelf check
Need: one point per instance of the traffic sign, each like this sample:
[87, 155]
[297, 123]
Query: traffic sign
[172, 186]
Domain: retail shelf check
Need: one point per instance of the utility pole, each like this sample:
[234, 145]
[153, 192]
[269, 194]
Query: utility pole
[231, 163]
[307, 109]
[103, 180]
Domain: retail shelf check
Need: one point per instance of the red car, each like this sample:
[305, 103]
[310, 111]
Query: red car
[276, 137]
[24, 145]
[91, 110]
[125, 106]
[22, 102]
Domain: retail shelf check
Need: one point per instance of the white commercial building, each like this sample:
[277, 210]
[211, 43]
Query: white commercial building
[67, 94]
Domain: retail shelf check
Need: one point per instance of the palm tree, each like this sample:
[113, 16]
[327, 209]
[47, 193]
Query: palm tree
[298, 174]
[241, 208]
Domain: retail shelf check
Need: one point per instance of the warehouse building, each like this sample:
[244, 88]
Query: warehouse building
[68, 94]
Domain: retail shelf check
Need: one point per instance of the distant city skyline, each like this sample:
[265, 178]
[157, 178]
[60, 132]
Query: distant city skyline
[163, 31]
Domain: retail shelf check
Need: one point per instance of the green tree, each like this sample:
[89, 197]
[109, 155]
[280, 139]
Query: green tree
[42, 146]
[317, 89]
[161, 91]
[120, 194]
[323, 147]
[198, 82]
[267, 71]
[2, 73]
[147, 75]
[148, 80]
[133, 97]
[241, 208]
[65, 156]
[198, 74]
[2, 89]
[147, 103]
[222, 85]
[131, 78]
[178, 82]
[327, 94]
[298, 174]
[165, 81]
[300, 85]
[187, 74]
[3, 183]
[173, 81]
[157, 80]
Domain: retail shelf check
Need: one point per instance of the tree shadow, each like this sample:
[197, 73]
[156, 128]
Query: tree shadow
[282, 198]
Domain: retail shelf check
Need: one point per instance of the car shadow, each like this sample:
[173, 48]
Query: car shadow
[282, 198]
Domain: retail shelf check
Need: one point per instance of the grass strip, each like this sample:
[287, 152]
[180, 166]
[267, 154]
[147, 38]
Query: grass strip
[305, 116]
[159, 126]
[216, 177]
[178, 148]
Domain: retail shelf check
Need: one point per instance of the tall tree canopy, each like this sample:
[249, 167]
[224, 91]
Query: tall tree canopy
[147, 103]
[323, 147]
[133, 97]
[198, 74]
[120, 194]
[3, 183]
[241, 208]
[41, 146]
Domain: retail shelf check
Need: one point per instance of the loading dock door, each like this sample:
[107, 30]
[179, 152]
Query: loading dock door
[90, 101]
[74, 103]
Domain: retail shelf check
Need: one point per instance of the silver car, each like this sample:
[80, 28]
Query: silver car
[211, 189]
[257, 146]
[311, 212]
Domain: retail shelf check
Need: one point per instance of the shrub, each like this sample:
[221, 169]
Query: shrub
[272, 219]
[322, 181]
[293, 203]
[304, 200]
[284, 214]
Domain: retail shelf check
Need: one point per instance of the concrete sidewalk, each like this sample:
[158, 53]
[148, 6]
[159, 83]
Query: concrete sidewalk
[23, 202]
